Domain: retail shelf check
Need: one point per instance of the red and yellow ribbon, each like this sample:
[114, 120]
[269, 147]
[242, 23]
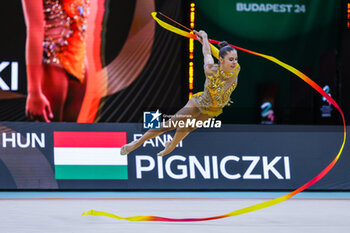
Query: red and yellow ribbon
[263, 204]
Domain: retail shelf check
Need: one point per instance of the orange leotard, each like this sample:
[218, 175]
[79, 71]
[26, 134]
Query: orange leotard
[65, 35]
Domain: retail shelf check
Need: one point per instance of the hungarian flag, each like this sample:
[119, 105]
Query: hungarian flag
[89, 155]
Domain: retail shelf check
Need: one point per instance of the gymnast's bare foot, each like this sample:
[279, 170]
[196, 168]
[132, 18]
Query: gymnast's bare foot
[127, 148]
[166, 150]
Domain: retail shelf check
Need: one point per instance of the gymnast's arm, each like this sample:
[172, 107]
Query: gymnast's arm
[34, 17]
[208, 59]
[37, 103]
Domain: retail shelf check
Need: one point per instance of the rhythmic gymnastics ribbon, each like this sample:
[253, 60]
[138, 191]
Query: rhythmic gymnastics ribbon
[263, 204]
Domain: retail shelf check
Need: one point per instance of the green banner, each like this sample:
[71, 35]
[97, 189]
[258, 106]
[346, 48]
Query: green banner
[269, 19]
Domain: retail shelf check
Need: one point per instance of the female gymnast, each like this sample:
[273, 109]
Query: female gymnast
[221, 80]
[55, 58]
[66, 78]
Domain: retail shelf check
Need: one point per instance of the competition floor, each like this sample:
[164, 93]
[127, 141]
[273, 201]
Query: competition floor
[52, 212]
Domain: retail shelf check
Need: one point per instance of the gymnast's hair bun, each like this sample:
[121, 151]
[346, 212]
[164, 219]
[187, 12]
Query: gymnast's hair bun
[222, 44]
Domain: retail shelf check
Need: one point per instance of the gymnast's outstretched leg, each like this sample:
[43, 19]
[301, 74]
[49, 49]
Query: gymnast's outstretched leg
[152, 133]
[180, 134]
[189, 109]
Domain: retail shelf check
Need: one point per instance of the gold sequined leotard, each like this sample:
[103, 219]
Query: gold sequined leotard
[216, 94]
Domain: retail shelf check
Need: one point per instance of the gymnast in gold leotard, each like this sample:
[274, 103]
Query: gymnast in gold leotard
[217, 91]
[221, 81]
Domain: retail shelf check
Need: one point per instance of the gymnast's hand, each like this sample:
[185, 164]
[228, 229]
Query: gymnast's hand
[201, 35]
[38, 108]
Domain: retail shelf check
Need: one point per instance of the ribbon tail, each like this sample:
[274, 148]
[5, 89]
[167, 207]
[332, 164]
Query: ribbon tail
[172, 28]
[180, 32]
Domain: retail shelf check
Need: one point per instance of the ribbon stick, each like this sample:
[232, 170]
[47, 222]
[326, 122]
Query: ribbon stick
[263, 204]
